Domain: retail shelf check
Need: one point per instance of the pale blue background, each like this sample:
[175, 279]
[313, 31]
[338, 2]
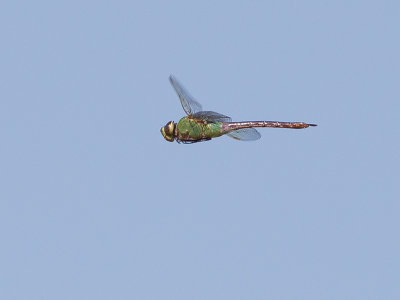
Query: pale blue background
[95, 204]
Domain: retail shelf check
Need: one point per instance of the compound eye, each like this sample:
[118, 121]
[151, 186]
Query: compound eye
[166, 129]
[169, 128]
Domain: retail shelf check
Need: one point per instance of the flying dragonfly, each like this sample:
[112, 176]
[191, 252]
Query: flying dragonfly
[201, 125]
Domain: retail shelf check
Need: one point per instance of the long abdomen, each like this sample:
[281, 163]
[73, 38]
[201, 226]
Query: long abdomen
[228, 126]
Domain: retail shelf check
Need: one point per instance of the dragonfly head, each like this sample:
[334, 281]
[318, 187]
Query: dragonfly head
[168, 131]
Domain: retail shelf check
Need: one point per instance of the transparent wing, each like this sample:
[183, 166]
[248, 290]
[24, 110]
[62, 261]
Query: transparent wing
[245, 134]
[211, 116]
[190, 106]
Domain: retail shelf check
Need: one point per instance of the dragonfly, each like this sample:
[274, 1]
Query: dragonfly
[199, 125]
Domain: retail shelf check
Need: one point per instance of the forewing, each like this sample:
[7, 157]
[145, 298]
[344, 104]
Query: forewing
[190, 106]
[211, 116]
[245, 134]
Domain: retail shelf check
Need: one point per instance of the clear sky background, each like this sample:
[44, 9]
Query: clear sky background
[95, 204]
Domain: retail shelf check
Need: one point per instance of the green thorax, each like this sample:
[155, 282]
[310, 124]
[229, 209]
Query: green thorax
[191, 129]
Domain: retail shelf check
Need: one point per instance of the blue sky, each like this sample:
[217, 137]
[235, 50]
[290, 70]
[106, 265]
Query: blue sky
[95, 204]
